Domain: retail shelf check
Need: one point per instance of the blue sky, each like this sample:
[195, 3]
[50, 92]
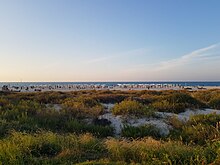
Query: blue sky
[109, 40]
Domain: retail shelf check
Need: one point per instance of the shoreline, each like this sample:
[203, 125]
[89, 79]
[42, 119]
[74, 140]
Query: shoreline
[120, 87]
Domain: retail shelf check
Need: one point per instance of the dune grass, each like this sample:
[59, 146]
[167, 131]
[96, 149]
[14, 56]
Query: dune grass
[33, 133]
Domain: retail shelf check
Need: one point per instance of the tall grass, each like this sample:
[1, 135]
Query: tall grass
[199, 129]
[132, 107]
[50, 148]
[141, 131]
[150, 151]
[47, 147]
[32, 133]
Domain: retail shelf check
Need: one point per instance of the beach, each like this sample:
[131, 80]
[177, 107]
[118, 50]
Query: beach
[123, 87]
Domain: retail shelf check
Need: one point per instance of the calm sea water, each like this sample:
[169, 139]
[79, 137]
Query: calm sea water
[216, 83]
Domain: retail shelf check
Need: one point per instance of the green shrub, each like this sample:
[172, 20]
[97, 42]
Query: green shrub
[79, 127]
[203, 96]
[47, 136]
[176, 102]
[140, 131]
[82, 108]
[215, 102]
[110, 98]
[49, 148]
[199, 129]
[45, 149]
[149, 151]
[209, 119]
[3, 102]
[200, 134]
[129, 107]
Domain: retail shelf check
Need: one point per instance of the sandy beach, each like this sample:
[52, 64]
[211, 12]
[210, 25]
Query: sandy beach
[122, 87]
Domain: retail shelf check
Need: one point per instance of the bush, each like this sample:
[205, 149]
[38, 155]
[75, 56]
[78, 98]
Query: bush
[3, 102]
[49, 148]
[82, 108]
[110, 98]
[129, 107]
[176, 102]
[199, 134]
[209, 119]
[140, 131]
[79, 127]
[45, 149]
[199, 129]
[203, 96]
[150, 151]
[215, 102]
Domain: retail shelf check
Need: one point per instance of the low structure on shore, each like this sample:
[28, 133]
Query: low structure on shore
[77, 87]
[5, 88]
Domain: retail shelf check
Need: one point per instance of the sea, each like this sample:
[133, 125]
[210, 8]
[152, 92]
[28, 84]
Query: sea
[182, 83]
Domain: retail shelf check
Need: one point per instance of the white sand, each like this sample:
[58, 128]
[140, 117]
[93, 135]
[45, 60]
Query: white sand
[161, 122]
[116, 121]
[184, 116]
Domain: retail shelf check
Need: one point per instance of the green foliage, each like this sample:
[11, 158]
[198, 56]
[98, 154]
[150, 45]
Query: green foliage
[209, 119]
[149, 151]
[48, 148]
[150, 98]
[45, 149]
[82, 107]
[129, 107]
[210, 97]
[31, 116]
[203, 96]
[110, 98]
[215, 102]
[199, 129]
[31, 132]
[200, 133]
[79, 127]
[3, 102]
[176, 102]
[141, 131]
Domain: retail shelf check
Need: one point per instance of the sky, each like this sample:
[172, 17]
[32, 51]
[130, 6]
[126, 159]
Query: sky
[109, 40]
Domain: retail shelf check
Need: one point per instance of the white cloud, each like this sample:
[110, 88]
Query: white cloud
[199, 64]
[203, 53]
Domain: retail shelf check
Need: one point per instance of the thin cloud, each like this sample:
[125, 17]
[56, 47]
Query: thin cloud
[185, 59]
[96, 60]
[195, 62]
[135, 52]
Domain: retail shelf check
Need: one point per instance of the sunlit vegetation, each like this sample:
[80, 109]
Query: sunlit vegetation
[82, 107]
[31, 116]
[199, 129]
[64, 128]
[130, 107]
[150, 151]
[177, 102]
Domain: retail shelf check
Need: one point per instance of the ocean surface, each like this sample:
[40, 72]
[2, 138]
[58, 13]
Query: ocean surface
[182, 83]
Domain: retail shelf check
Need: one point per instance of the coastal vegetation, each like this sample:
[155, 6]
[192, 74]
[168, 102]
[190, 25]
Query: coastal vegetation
[132, 107]
[66, 128]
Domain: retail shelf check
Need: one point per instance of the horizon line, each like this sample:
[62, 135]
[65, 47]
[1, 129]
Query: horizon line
[112, 81]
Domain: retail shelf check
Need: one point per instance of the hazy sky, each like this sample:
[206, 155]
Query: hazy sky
[109, 40]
